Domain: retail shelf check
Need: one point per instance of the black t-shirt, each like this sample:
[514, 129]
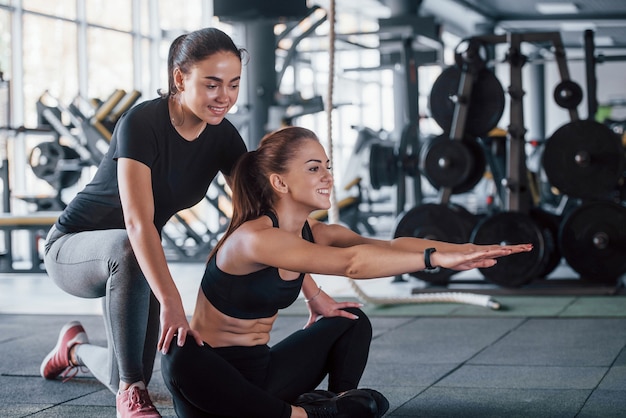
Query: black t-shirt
[181, 170]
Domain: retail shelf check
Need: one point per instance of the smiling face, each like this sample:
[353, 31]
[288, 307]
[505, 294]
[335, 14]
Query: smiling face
[308, 176]
[211, 88]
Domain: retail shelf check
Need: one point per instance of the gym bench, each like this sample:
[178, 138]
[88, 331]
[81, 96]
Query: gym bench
[37, 224]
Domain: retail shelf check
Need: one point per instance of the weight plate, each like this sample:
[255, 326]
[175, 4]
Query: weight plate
[568, 94]
[46, 160]
[479, 166]
[592, 238]
[584, 158]
[455, 164]
[450, 223]
[485, 105]
[512, 228]
[446, 163]
[549, 225]
[383, 166]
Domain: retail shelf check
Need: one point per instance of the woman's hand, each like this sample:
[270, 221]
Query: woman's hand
[476, 256]
[174, 324]
[325, 306]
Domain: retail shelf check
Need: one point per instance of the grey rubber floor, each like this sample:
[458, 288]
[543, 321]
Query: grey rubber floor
[541, 356]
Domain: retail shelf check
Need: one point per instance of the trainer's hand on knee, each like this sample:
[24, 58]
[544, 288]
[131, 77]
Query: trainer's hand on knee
[183, 333]
[174, 324]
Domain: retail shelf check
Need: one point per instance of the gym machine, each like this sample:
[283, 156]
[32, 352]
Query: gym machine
[419, 43]
[81, 140]
[11, 224]
[406, 43]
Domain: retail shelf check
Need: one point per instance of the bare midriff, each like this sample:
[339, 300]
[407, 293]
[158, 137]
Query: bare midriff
[220, 330]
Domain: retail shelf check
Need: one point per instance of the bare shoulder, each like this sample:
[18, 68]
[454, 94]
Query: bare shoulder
[237, 253]
[247, 232]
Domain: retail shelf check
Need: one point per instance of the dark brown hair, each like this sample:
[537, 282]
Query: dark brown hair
[253, 194]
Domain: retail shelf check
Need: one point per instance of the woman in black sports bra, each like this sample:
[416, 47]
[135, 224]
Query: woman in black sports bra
[260, 265]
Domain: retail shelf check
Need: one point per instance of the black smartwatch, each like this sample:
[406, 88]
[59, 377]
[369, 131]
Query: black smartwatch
[427, 253]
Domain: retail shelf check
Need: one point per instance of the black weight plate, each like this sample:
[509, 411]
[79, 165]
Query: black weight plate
[583, 158]
[592, 238]
[383, 167]
[549, 225]
[478, 169]
[455, 164]
[568, 94]
[450, 223]
[446, 163]
[486, 103]
[45, 160]
[512, 228]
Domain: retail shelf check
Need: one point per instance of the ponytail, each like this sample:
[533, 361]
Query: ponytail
[171, 57]
[250, 198]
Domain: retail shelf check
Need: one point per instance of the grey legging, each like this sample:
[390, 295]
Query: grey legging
[94, 264]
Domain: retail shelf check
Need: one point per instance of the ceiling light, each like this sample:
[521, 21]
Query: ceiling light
[577, 26]
[556, 8]
[603, 41]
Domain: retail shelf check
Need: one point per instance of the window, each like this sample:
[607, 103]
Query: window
[107, 13]
[5, 43]
[50, 62]
[173, 16]
[65, 9]
[109, 62]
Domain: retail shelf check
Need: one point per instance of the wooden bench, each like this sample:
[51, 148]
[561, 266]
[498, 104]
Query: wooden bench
[37, 224]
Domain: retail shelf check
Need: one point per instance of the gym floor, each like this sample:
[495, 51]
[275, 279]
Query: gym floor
[547, 354]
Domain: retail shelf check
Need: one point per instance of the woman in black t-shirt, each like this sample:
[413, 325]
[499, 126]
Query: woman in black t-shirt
[163, 155]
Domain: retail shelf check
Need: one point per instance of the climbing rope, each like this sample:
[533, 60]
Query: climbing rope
[333, 213]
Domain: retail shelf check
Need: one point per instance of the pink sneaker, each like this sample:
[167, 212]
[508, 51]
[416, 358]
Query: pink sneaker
[58, 362]
[135, 402]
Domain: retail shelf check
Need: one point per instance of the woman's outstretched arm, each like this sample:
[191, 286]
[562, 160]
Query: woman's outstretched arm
[274, 247]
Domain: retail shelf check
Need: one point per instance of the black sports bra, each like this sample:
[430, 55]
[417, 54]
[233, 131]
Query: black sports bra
[259, 294]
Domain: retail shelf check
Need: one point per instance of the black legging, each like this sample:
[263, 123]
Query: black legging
[261, 381]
